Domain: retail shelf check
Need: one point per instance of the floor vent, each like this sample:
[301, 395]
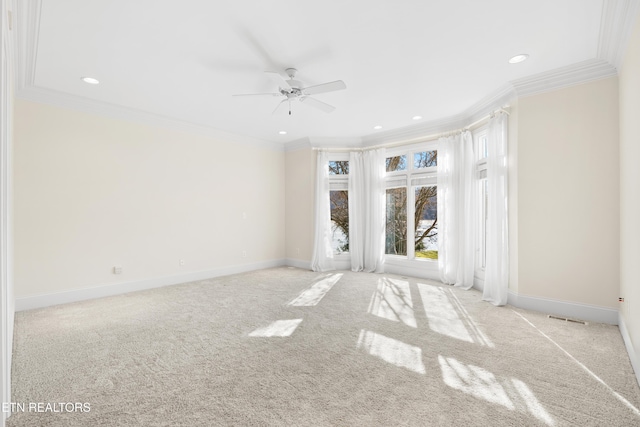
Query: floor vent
[566, 319]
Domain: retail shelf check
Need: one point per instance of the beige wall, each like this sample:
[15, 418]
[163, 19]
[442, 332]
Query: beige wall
[93, 192]
[568, 202]
[300, 188]
[630, 188]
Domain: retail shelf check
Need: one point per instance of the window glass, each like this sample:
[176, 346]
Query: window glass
[396, 163]
[396, 227]
[426, 222]
[482, 147]
[338, 167]
[339, 202]
[425, 159]
[481, 170]
[484, 205]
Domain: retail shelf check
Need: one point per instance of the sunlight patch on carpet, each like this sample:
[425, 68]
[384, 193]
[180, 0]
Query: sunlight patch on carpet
[279, 328]
[392, 301]
[448, 317]
[317, 291]
[441, 314]
[513, 394]
[533, 405]
[473, 380]
[392, 351]
[478, 336]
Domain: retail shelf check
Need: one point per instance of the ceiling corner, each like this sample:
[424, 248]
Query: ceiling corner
[28, 28]
[618, 17]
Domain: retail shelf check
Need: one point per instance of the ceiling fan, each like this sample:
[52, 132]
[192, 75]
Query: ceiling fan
[293, 89]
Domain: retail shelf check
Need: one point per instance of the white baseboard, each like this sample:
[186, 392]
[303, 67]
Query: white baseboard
[339, 263]
[572, 310]
[46, 300]
[633, 356]
[298, 263]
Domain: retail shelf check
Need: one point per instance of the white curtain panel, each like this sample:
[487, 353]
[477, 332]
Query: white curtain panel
[496, 280]
[375, 218]
[322, 259]
[357, 209]
[367, 210]
[457, 204]
[447, 232]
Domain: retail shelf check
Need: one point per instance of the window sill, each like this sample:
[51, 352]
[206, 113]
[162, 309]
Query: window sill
[422, 268]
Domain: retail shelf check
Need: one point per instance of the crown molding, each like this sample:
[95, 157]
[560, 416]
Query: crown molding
[325, 142]
[73, 102]
[496, 99]
[616, 25]
[499, 98]
[581, 72]
[574, 74]
[414, 133]
[28, 31]
[618, 18]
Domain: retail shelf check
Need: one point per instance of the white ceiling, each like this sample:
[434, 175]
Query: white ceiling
[185, 59]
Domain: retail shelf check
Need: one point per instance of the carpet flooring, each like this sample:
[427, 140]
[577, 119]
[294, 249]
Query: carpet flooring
[290, 347]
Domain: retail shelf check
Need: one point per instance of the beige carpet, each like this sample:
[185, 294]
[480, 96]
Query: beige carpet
[291, 347]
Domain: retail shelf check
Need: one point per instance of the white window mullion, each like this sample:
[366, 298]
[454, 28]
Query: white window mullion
[411, 206]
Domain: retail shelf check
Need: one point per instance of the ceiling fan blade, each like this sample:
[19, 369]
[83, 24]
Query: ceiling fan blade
[325, 87]
[279, 80]
[280, 105]
[318, 104]
[258, 94]
[262, 53]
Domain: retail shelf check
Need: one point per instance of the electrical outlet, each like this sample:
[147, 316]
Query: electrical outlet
[117, 269]
[181, 262]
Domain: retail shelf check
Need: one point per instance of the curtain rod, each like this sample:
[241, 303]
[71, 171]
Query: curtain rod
[426, 138]
[485, 118]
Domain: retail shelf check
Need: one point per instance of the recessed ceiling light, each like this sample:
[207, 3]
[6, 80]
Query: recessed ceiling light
[90, 80]
[518, 58]
[377, 127]
[417, 117]
[283, 132]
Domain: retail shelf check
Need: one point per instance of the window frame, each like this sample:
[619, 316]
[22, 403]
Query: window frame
[428, 177]
[340, 183]
[480, 136]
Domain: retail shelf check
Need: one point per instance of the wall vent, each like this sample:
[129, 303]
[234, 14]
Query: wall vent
[566, 319]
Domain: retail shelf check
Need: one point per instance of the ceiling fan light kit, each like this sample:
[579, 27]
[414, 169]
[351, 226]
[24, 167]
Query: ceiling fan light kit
[293, 89]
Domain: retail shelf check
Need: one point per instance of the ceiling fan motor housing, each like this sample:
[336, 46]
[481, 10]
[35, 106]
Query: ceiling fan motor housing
[295, 84]
[293, 89]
